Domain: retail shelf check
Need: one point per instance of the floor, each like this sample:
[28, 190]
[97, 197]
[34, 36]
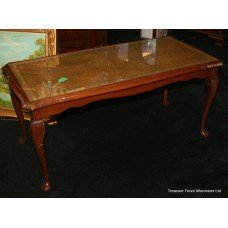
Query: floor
[128, 147]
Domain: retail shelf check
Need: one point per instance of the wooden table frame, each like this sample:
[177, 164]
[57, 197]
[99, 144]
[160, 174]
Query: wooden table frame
[52, 106]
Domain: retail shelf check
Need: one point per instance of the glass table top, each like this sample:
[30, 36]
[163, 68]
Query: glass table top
[67, 73]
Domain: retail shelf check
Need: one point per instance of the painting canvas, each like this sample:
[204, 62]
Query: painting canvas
[15, 46]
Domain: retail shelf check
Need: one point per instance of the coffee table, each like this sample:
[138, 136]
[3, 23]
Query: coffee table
[50, 85]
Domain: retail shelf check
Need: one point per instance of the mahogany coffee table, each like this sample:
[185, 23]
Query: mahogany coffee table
[50, 85]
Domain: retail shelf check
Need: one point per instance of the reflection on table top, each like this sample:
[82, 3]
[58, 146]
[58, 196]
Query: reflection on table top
[67, 73]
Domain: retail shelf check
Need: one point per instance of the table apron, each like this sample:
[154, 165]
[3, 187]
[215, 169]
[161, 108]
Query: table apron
[60, 107]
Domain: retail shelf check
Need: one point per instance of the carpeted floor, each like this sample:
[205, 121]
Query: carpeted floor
[130, 147]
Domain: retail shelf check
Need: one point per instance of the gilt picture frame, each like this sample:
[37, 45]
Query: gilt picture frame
[21, 44]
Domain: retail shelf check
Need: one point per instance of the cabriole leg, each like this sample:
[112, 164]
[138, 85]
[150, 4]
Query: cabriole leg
[20, 116]
[38, 132]
[165, 98]
[211, 88]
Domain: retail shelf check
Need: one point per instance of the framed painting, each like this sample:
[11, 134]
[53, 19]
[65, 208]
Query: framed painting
[21, 44]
